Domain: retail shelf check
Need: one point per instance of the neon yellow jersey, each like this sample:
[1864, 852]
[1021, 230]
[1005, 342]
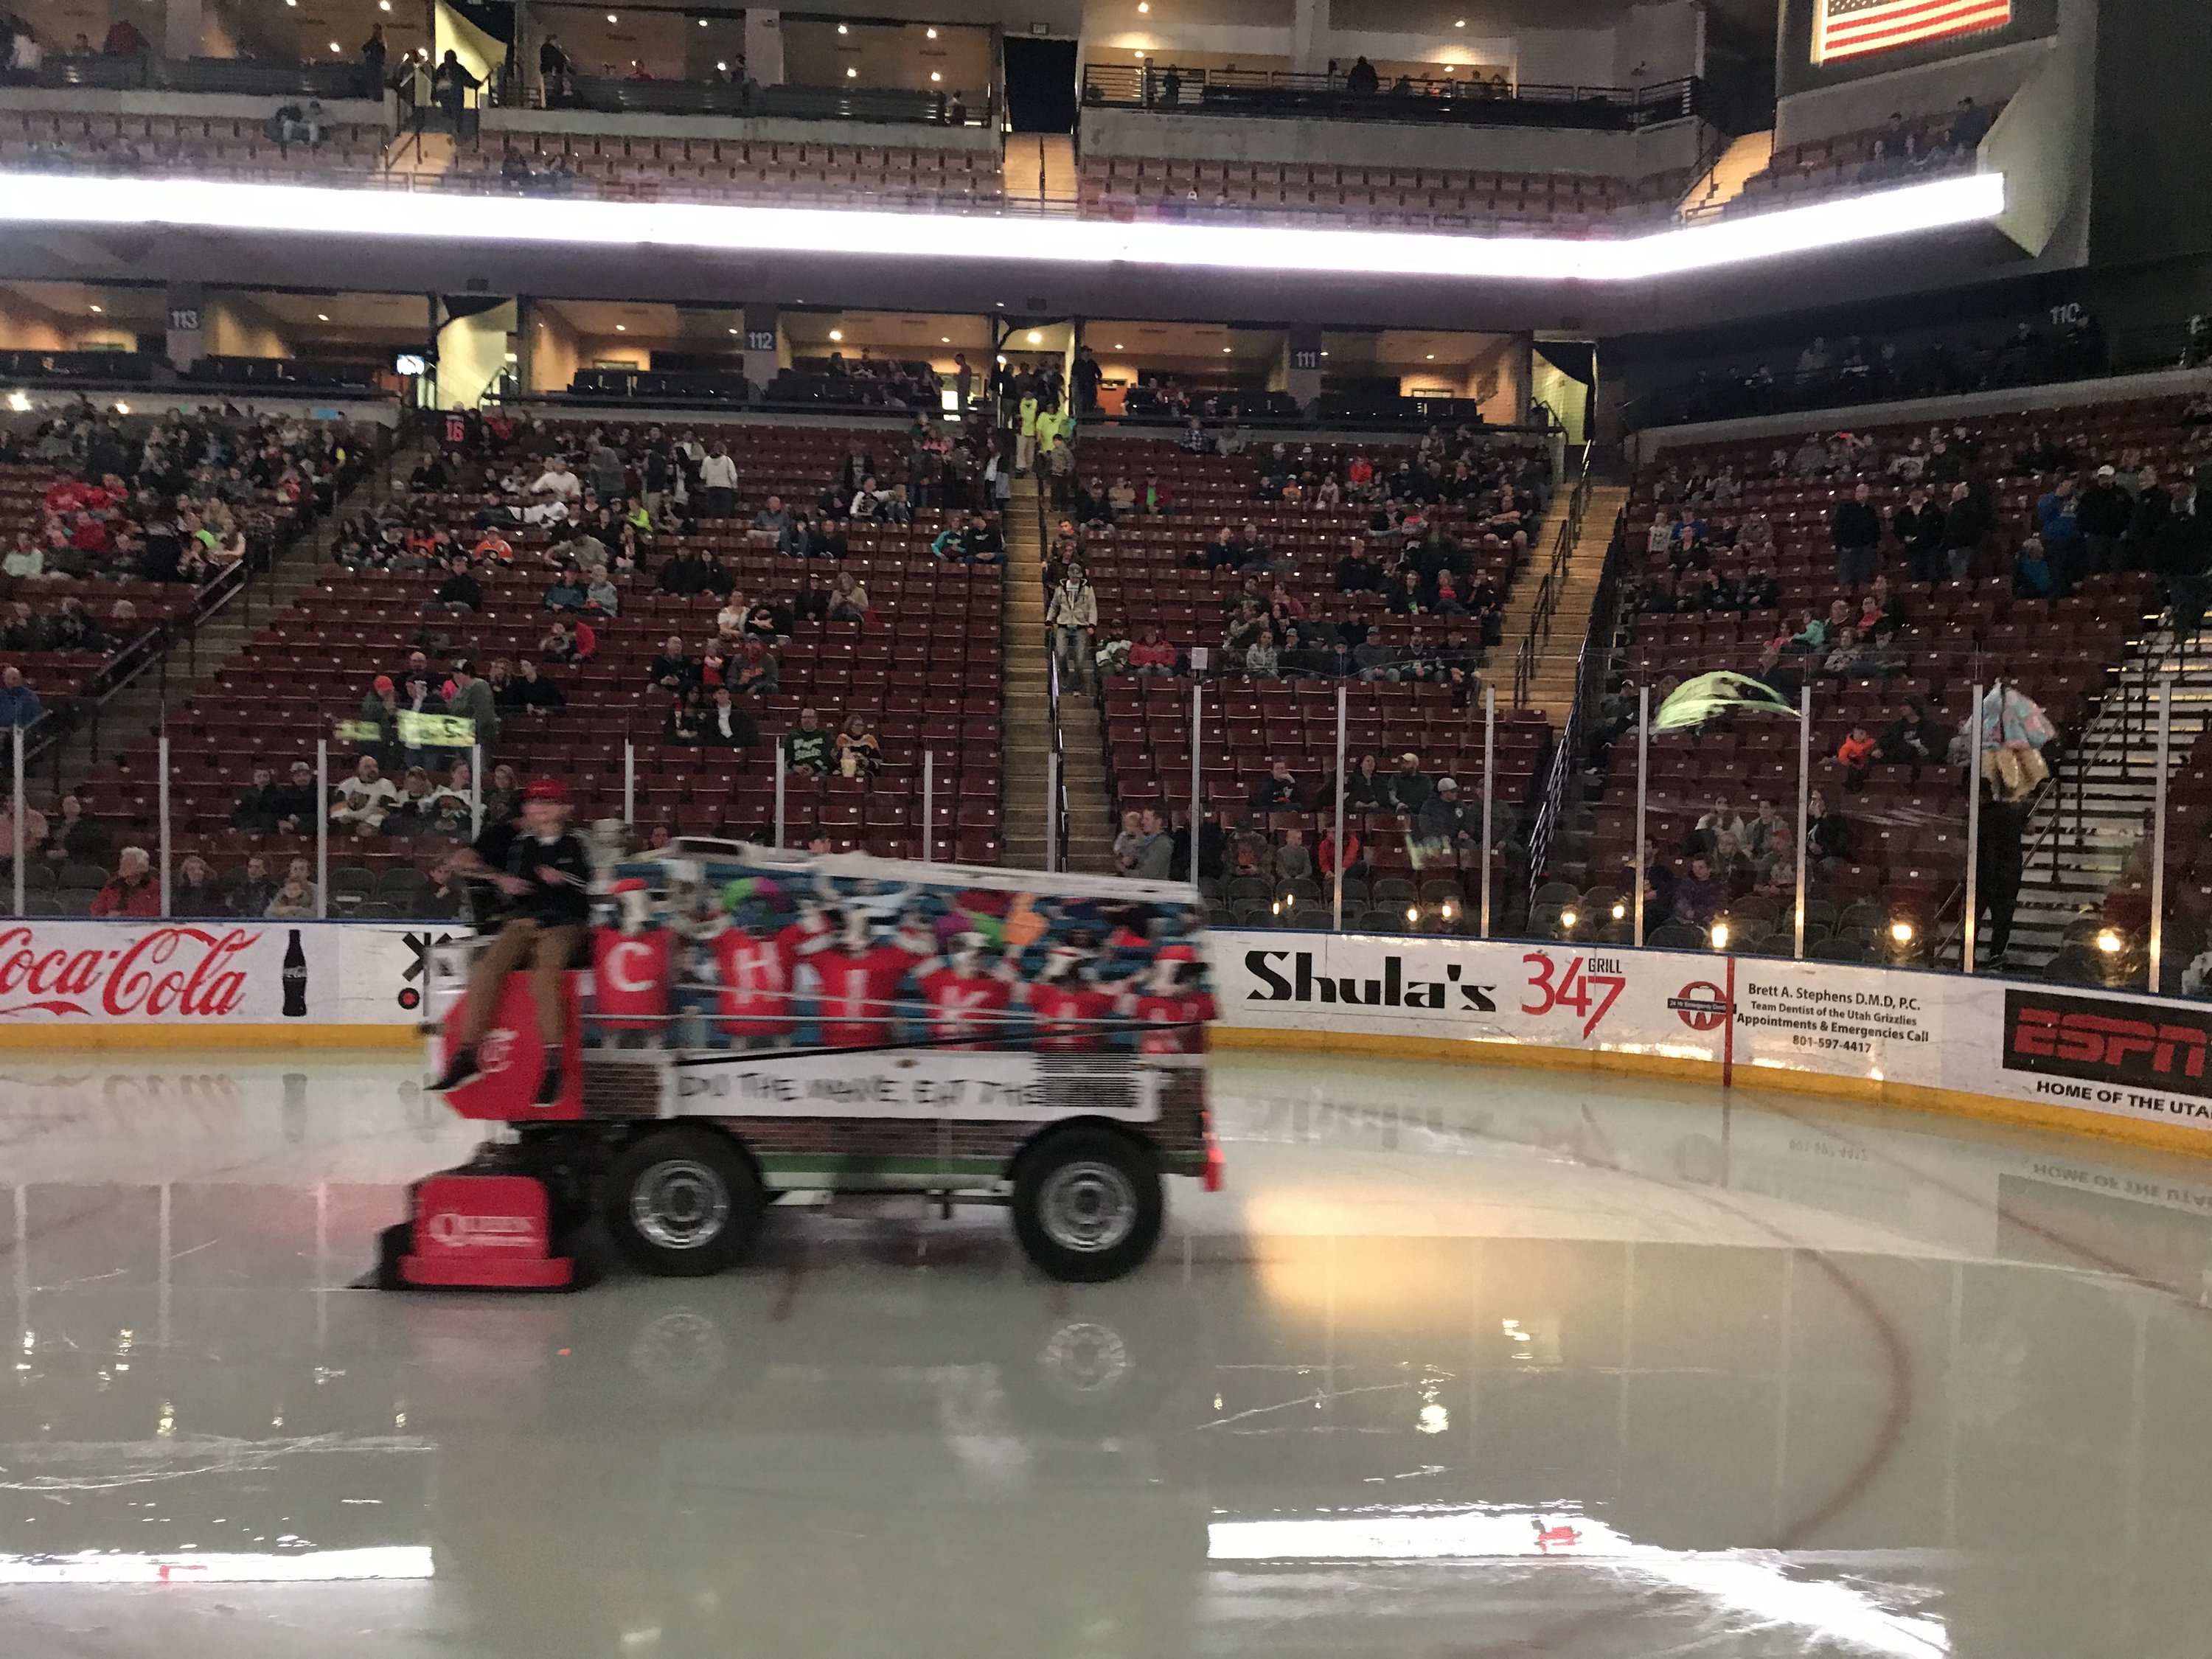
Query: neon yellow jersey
[1029, 418]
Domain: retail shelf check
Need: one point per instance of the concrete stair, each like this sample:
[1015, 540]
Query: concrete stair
[1551, 685]
[2082, 831]
[1026, 723]
[1725, 180]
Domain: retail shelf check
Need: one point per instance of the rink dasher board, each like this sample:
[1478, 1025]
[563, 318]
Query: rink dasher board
[2135, 1066]
[164, 979]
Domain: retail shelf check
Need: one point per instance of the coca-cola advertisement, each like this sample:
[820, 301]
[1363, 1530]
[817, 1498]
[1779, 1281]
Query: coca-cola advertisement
[208, 972]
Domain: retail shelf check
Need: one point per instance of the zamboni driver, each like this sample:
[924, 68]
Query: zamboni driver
[544, 871]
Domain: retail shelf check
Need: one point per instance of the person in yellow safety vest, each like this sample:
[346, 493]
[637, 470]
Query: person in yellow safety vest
[1025, 436]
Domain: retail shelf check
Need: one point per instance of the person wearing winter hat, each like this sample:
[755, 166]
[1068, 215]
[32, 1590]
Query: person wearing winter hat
[547, 876]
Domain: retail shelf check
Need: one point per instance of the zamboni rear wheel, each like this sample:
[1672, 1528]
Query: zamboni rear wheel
[682, 1202]
[1087, 1205]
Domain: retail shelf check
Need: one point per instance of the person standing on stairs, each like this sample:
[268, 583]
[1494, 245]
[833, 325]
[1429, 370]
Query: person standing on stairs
[1071, 613]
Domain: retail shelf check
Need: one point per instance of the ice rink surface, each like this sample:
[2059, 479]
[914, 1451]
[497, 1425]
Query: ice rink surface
[1463, 1362]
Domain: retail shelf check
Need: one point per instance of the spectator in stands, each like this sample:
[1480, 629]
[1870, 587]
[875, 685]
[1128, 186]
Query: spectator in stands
[260, 807]
[717, 480]
[673, 670]
[2103, 518]
[1366, 789]
[133, 891]
[1071, 612]
[1829, 833]
[1445, 828]
[557, 482]
[1278, 792]
[757, 670]
[460, 593]
[451, 83]
[1153, 657]
[1361, 78]
[443, 899]
[1918, 526]
[1129, 845]
[1410, 788]
[2032, 575]
[502, 800]
[361, 801]
[808, 746]
[1261, 661]
[249, 889]
[1701, 896]
[471, 699]
[1355, 851]
[1965, 524]
[294, 897]
[848, 599]
[723, 724]
[1856, 529]
[1912, 738]
[601, 597]
[533, 692]
[2057, 513]
[684, 723]
[373, 53]
[1855, 754]
[73, 835]
[20, 706]
[859, 752]
[773, 518]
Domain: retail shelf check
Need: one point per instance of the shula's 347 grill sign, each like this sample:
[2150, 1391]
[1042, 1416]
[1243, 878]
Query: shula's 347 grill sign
[1289, 976]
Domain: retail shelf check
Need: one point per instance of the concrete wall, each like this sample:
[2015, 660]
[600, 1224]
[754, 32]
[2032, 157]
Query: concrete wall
[472, 353]
[232, 325]
[2041, 143]
[1987, 77]
[1383, 143]
[87, 101]
[550, 350]
[26, 326]
[2169, 383]
[978, 139]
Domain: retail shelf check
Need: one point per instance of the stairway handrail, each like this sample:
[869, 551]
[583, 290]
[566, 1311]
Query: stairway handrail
[1547, 591]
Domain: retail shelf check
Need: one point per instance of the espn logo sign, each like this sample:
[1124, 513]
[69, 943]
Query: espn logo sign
[2151, 1045]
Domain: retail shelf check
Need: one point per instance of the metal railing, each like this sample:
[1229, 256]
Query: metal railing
[1554, 582]
[1472, 100]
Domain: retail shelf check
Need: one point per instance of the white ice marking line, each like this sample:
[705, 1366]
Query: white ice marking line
[304, 1567]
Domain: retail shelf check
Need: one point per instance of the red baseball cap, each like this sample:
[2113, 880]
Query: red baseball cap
[381, 683]
[547, 789]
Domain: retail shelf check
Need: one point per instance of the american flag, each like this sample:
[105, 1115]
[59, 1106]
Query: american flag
[1845, 28]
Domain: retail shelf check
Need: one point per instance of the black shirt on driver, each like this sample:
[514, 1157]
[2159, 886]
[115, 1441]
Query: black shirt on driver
[558, 871]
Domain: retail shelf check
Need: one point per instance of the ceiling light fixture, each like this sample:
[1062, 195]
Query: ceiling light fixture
[95, 310]
[842, 29]
[292, 210]
[612, 18]
[934, 76]
[721, 68]
[931, 33]
[1035, 339]
[335, 47]
[322, 316]
[702, 22]
[621, 328]
[945, 339]
[850, 72]
[836, 333]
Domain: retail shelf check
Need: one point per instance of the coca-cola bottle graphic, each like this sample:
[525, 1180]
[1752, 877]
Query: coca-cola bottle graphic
[296, 979]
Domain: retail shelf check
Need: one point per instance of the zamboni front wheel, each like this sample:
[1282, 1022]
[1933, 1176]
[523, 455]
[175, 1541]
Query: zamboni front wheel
[1087, 1205]
[682, 1202]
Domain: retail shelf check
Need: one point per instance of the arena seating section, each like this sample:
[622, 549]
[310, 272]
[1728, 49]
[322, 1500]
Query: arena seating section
[927, 674]
[1443, 198]
[222, 147]
[1137, 568]
[1909, 830]
[711, 169]
[1827, 167]
[57, 675]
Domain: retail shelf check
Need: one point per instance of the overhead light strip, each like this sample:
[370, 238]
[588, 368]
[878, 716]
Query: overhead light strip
[207, 204]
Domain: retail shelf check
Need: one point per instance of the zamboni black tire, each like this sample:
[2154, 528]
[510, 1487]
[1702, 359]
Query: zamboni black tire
[1088, 1205]
[682, 1202]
